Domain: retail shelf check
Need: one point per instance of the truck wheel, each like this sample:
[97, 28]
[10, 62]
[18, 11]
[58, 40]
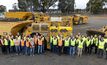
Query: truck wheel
[80, 21]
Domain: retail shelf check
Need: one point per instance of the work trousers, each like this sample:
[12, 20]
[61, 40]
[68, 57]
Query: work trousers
[59, 50]
[23, 49]
[12, 49]
[17, 49]
[32, 51]
[106, 54]
[3, 49]
[6, 49]
[40, 51]
[28, 51]
[100, 52]
[36, 49]
[72, 50]
[54, 48]
[88, 50]
[80, 51]
[66, 50]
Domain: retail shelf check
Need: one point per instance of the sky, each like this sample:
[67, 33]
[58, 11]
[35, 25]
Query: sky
[80, 4]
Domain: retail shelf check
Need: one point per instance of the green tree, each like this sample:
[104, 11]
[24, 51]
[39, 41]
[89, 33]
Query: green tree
[94, 6]
[2, 8]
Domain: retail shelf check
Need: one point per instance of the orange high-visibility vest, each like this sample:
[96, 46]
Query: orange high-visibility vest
[35, 40]
[60, 42]
[27, 44]
[22, 42]
[40, 42]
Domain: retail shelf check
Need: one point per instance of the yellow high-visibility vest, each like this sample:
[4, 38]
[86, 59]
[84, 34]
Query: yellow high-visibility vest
[5, 42]
[66, 43]
[101, 44]
[73, 42]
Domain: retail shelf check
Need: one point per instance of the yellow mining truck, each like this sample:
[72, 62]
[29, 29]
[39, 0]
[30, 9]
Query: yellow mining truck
[15, 22]
[80, 19]
[19, 22]
[102, 31]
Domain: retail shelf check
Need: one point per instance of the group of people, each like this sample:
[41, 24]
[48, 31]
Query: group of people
[79, 45]
[71, 45]
[22, 44]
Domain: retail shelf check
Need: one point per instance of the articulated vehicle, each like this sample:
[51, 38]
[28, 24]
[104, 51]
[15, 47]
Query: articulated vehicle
[80, 19]
[102, 31]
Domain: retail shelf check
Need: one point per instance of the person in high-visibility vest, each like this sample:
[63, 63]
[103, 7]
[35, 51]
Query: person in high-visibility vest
[96, 40]
[105, 46]
[40, 45]
[76, 45]
[51, 42]
[91, 44]
[32, 48]
[44, 44]
[60, 44]
[23, 48]
[84, 38]
[36, 43]
[66, 45]
[17, 45]
[27, 47]
[55, 43]
[12, 45]
[80, 47]
[2, 45]
[88, 45]
[72, 46]
[6, 45]
[101, 47]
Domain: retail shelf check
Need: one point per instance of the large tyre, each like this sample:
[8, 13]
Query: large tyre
[80, 21]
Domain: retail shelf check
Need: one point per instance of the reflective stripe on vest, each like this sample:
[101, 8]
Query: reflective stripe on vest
[5, 42]
[54, 41]
[72, 42]
[11, 42]
[66, 43]
[101, 44]
[80, 45]
[40, 42]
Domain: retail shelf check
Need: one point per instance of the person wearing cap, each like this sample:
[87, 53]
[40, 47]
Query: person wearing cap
[72, 46]
[101, 47]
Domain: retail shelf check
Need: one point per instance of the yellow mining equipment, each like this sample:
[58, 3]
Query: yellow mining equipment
[102, 31]
[80, 19]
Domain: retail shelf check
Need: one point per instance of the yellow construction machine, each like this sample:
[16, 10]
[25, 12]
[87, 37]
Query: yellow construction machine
[102, 31]
[80, 19]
